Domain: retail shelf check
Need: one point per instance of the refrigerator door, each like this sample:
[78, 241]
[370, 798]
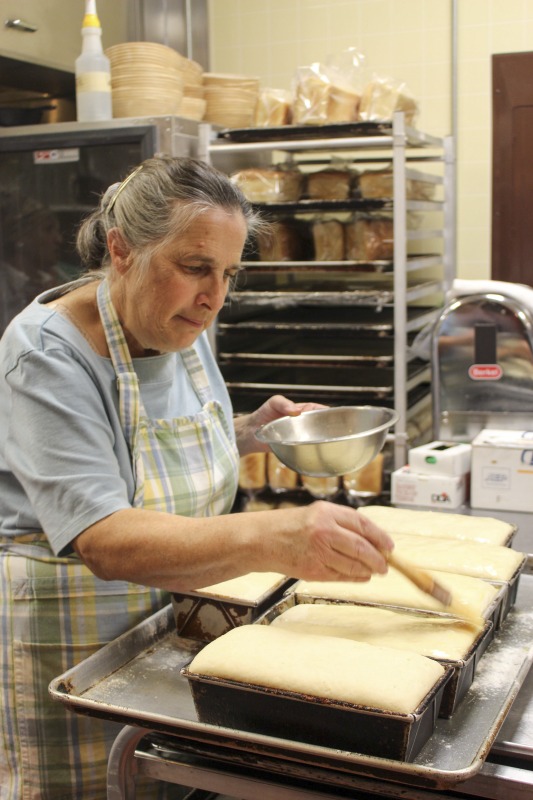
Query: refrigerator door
[52, 177]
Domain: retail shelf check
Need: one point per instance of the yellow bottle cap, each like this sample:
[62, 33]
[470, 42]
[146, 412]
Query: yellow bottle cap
[91, 21]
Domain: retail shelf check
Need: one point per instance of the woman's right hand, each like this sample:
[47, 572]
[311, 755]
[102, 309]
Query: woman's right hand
[327, 542]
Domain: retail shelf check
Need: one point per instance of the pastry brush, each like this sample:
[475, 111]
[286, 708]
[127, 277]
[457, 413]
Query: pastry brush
[427, 583]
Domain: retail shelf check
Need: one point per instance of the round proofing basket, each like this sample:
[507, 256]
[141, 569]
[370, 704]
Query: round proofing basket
[144, 53]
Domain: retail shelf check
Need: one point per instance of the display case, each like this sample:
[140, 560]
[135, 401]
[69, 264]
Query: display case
[332, 323]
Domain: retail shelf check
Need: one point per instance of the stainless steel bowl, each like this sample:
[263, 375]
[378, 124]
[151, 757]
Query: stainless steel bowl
[329, 441]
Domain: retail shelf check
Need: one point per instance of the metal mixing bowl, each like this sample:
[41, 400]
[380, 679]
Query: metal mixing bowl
[329, 441]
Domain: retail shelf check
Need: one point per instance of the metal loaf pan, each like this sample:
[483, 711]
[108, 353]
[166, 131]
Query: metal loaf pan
[509, 590]
[462, 670]
[204, 617]
[306, 718]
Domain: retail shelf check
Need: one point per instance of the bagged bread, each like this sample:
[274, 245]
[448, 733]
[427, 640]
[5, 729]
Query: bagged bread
[287, 240]
[280, 477]
[328, 240]
[369, 239]
[252, 471]
[270, 185]
[274, 108]
[381, 97]
[379, 183]
[330, 184]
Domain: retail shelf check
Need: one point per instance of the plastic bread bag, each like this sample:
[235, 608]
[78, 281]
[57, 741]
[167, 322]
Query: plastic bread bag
[334, 182]
[369, 238]
[382, 97]
[274, 108]
[277, 184]
[311, 95]
[344, 71]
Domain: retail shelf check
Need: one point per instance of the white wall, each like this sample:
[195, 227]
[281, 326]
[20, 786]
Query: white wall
[408, 40]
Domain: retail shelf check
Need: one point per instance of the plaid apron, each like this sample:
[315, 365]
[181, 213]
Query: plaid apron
[55, 612]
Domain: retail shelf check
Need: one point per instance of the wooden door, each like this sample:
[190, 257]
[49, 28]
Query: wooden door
[512, 167]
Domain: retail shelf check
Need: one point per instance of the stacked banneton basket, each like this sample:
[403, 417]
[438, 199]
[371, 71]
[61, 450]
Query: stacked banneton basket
[148, 78]
[230, 99]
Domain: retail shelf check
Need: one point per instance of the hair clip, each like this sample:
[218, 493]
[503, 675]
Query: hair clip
[122, 186]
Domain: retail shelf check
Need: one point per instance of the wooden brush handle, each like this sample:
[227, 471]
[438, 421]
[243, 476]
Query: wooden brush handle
[419, 577]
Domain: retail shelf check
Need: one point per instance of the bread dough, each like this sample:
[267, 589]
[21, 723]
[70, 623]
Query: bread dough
[246, 588]
[396, 590]
[320, 666]
[432, 636]
[485, 530]
[491, 562]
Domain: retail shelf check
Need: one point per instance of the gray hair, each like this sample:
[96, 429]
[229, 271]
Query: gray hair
[155, 203]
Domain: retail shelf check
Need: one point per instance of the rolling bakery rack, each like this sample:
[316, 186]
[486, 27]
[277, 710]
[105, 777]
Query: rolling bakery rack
[339, 332]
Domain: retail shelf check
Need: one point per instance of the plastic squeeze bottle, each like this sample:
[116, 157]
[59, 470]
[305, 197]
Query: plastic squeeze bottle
[93, 72]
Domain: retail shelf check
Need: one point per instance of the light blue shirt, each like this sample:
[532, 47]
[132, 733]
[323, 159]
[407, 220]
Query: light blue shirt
[64, 461]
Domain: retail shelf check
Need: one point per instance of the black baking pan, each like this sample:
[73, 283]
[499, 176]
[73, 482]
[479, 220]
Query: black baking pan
[300, 717]
[463, 669]
[204, 617]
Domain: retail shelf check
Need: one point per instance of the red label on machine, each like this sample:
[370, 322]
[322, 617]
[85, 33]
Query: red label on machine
[485, 372]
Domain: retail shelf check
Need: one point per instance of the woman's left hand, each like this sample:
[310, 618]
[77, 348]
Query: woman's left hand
[274, 408]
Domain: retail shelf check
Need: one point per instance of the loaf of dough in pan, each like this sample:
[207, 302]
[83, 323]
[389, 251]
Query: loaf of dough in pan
[396, 590]
[326, 667]
[247, 588]
[485, 530]
[488, 561]
[432, 636]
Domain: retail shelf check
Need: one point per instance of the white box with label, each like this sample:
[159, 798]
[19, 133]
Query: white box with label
[434, 491]
[502, 470]
[440, 458]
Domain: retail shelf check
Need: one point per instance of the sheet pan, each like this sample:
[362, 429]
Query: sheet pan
[136, 680]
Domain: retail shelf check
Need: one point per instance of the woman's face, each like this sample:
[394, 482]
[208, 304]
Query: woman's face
[184, 287]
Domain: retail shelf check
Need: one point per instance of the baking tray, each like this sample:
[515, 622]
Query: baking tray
[204, 617]
[311, 719]
[280, 132]
[136, 680]
[330, 318]
[333, 378]
[463, 669]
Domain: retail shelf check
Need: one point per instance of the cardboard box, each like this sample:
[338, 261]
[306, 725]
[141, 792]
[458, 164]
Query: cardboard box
[434, 491]
[502, 470]
[441, 458]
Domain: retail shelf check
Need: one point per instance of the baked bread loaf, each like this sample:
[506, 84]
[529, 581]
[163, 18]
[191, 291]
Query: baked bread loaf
[287, 240]
[432, 636]
[379, 184]
[252, 471]
[248, 588]
[326, 667]
[320, 487]
[328, 240]
[381, 98]
[270, 185]
[395, 589]
[369, 239]
[274, 108]
[279, 476]
[367, 480]
[485, 530]
[329, 184]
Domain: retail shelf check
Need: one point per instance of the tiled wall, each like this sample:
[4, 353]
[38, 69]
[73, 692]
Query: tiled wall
[408, 40]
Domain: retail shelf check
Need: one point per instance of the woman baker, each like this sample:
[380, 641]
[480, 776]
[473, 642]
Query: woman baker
[119, 461]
